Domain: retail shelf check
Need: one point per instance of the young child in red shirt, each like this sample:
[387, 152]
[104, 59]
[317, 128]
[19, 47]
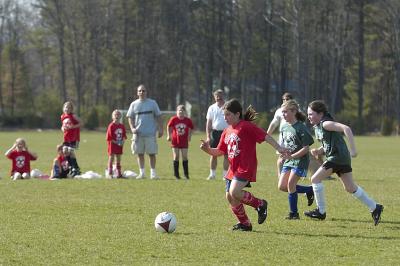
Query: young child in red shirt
[239, 141]
[180, 127]
[21, 158]
[70, 126]
[61, 166]
[116, 135]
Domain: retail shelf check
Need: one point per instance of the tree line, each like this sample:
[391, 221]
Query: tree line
[96, 52]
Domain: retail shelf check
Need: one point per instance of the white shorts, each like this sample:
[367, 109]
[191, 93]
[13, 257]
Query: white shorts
[142, 145]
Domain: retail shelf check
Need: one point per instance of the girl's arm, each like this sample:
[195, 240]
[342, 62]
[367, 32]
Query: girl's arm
[205, 146]
[10, 149]
[317, 151]
[339, 127]
[79, 122]
[271, 141]
[190, 134]
[300, 153]
[169, 133]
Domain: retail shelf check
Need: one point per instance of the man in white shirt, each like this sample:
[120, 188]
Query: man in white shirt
[215, 125]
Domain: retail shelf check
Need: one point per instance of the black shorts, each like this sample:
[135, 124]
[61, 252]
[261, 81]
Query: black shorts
[339, 169]
[214, 138]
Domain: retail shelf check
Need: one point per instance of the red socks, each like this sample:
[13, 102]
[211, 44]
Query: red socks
[241, 215]
[250, 200]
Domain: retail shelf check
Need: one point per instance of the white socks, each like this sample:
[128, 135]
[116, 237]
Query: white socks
[361, 195]
[152, 172]
[212, 172]
[141, 171]
[319, 195]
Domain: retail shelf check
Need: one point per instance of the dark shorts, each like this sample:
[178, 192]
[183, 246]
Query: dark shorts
[339, 169]
[228, 183]
[214, 138]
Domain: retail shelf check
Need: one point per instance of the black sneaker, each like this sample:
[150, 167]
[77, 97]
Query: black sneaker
[242, 227]
[376, 214]
[293, 216]
[262, 212]
[315, 214]
[310, 198]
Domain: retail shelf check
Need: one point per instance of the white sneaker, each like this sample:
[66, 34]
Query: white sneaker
[155, 177]
[141, 176]
[211, 177]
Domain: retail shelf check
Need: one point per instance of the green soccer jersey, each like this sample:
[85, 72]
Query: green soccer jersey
[295, 137]
[333, 143]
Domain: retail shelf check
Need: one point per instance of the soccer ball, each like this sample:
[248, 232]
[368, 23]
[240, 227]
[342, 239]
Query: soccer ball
[165, 222]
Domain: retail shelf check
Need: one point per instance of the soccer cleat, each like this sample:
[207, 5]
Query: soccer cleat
[262, 212]
[141, 176]
[154, 177]
[376, 214]
[310, 198]
[211, 177]
[315, 214]
[242, 227]
[186, 176]
[293, 216]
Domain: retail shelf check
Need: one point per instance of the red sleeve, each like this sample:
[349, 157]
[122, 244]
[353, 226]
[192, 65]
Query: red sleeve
[190, 123]
[109, 133]
[171, 122]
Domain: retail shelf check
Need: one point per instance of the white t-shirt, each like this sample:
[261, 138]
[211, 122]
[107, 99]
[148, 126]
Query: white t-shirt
[216, 114]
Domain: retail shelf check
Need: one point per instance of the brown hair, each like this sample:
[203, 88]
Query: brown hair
[234, 106]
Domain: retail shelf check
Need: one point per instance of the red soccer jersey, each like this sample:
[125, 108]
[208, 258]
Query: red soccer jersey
[239, 143]
[63, 163]
[72, 134]
[21, 161]
[116, 132]
[180, 131]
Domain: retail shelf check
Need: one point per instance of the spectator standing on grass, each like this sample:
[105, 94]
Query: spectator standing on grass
[338, 160]
[21, 159]
[214, 126]
[145, 120]
[180, 128]
[238, 141]
[70, 126]
[115, 136]
[297, 139]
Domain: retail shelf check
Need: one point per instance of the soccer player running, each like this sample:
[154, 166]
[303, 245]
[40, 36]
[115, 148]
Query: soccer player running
[338, 160]
[238, 141]
[296, 137]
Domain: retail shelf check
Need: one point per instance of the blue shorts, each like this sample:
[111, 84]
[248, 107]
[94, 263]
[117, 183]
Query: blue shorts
[300, 172]
[228, 182]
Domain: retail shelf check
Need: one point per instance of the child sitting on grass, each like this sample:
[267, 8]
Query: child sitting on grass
[21, 159]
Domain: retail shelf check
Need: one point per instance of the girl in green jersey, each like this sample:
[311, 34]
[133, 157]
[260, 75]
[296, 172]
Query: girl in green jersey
[338, 160]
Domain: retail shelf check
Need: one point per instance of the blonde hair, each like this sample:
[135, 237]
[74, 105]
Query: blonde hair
[20, 140]
[294, 106]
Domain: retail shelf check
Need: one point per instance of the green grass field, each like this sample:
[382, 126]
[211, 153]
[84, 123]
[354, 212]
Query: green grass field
[110, 222]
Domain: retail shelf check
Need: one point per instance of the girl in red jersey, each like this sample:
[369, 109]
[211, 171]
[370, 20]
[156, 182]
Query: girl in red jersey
[21, 158]
[61, 166]
[180, 127]
[238, 141]
[116, 135]
[70, 125]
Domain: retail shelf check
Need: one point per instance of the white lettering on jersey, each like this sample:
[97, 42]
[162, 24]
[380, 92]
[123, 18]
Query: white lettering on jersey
[232, 140]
